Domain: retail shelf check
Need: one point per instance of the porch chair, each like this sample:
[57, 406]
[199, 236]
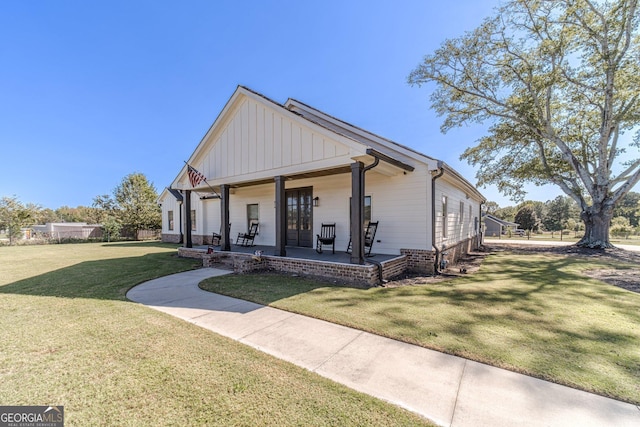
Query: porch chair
[327, 236]
[216, 237]
[246, 239]
[369, 238]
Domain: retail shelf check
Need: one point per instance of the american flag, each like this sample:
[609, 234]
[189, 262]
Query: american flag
[195, 177]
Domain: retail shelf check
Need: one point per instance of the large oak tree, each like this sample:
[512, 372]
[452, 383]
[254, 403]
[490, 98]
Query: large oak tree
[559, 81]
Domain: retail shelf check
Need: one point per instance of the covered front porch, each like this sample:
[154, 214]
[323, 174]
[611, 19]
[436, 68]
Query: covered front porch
[295, 209]
[304, 261]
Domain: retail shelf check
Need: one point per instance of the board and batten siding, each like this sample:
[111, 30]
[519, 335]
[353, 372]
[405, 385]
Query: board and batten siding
[258, 139]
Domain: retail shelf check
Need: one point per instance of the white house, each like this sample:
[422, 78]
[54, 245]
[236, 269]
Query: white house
[291, 168]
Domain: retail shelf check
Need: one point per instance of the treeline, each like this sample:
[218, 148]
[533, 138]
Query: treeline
[563, 213]
[130, 209]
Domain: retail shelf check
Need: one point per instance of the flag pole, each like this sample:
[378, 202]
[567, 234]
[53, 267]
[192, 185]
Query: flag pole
[204, 179]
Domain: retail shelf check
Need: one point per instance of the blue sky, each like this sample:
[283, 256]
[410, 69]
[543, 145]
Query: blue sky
[93, 91]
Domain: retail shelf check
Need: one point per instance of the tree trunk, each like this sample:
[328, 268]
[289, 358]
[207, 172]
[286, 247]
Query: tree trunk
[597, 220]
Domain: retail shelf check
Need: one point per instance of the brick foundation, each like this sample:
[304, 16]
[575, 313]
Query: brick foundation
[170, 238]
[419, 260]
[453, 253]
[353, 274]
[394, 267]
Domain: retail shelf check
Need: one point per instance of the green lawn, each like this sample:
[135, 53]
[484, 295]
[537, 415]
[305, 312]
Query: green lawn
[547, 236]
[535, 314]
[69, 337]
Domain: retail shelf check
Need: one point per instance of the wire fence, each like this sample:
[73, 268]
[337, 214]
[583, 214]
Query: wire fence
[88, 234]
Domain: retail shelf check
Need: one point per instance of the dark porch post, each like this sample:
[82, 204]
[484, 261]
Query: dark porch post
[187, 218]
[281, 217]
[180, 220]
[225, 241]
[357, 213]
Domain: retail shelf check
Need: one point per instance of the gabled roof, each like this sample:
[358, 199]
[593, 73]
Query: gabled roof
[500, 221]
[384, 145]
[343, 128]
[175, 193]
[359, 140]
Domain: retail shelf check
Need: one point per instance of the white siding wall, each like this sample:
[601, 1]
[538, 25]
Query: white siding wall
[399, 203]
[197, 205]
[211, 216]
[169, 203]
[264, 196]
[460, 225]
[402, 206]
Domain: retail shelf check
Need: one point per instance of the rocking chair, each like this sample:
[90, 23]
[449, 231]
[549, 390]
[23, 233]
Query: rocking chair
[246, 239]
[217, 237]
[327, 236]
[369, 238]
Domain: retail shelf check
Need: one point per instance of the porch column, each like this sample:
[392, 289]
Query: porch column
[225, 240]
[187, 218]
[281, 217]
[181, 224]
[357, 213]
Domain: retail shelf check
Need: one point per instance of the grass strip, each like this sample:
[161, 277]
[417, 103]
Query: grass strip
[534, 314]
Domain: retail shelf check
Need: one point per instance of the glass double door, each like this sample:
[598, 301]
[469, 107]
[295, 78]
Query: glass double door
[300, 217]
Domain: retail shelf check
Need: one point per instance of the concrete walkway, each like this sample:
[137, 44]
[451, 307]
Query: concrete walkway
[448, 390]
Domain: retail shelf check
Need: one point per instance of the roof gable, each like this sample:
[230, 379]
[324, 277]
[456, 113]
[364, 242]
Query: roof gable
[377, 142]
[497, 220]
[256, 138]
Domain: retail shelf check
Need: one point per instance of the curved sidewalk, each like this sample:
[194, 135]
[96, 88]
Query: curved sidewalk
[448, 390]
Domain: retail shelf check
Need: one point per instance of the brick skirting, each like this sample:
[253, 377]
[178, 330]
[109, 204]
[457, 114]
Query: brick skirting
[170, 238]
[419, 260]
[356, 275]
[453, 253]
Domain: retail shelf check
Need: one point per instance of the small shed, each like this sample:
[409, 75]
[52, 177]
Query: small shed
[494, 226]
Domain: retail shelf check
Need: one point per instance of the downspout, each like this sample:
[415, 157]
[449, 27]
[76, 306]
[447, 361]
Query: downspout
[364, 170]
[440, 172]
[478, 231]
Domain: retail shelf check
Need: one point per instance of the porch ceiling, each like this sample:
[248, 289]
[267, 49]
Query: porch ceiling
[389, 166]
[312, 174]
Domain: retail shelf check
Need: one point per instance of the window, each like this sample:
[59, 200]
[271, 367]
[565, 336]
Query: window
[253, 214]
[170, 219]
[367, 209]
[470, 219]
[193, 220]
[461, 212]
[444, 216]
